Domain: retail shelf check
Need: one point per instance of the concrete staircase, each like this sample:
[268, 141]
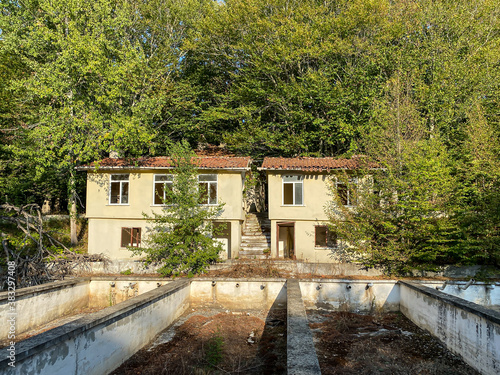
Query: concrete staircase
[256, 236]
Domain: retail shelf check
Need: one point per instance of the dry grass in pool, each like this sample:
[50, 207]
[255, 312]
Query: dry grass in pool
[218, 344]
[349, 343]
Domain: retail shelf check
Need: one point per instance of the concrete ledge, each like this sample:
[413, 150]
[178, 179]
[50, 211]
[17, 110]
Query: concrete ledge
[53, 286]
[101, 341]
[301, 354]
[119, 265]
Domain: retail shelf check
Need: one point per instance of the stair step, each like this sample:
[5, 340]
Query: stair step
[247, 237]
[255, 247]
[257, 225]
[252, 254]
[256, 250]
[256, 229]
[256, 233]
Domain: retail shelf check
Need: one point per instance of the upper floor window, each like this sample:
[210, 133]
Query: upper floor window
[208, 188]
[162, 182]
[325, 237]
[118, 190]
[293, 190]
[346, 191]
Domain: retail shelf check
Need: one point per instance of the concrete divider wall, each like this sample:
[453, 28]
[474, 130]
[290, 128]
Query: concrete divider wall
[301, 354]
[101, 341]
[38, 305]
[466, 328]
[351, 295]
[238, 294]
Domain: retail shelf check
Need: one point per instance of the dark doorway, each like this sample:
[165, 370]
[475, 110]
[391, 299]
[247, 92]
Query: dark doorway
[222, 232]
[286, 240]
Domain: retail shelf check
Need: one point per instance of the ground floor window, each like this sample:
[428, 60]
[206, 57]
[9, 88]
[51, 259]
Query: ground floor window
[131, 237]
[325, 237]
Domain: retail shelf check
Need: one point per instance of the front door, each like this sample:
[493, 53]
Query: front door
[286, 240]
[223, 235]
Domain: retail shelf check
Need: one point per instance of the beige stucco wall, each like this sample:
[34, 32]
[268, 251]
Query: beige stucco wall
[105, 236]
[106, 220]
[230, 192]
[316, 195]
[304, 242]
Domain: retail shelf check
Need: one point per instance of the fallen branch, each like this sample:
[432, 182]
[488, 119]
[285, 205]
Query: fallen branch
[40, 257]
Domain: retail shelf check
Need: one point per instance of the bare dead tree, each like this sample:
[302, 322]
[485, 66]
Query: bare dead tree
[39, 257]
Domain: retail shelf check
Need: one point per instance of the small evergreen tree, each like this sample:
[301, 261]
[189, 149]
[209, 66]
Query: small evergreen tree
[180, 237]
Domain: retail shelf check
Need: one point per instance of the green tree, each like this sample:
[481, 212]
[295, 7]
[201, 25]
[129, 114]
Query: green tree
[181, 237]
[97, 74]
[478, 197]
[402, 219]
[284, 77]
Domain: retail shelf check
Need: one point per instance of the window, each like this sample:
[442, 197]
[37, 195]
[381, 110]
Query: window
[347, 192]
[325, 237]
[208, 188]
[118, 192]
[162, 182]
[292, 190]
[131, 237]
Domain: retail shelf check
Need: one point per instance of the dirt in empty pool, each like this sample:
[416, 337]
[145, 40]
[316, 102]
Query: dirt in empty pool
[215, 342]
[349, 343]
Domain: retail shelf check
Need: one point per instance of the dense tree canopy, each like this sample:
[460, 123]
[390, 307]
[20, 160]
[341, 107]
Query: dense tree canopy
[412, 84]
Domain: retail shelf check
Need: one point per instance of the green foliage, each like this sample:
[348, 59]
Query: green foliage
[214, 349]
[180, 237]
[84, 79]
[290, 78]
[126, 272]
[402, 217]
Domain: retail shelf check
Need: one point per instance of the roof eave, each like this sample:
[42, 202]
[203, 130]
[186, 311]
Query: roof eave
[313, 170]
[111, 168]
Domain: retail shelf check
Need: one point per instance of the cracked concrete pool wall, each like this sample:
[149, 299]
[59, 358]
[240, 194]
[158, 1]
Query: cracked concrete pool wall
[105, 291]
[37, 305]
[367, 296]
[101, 341]
[62, 298]
[467, 329]
[238, 294]
[484, 294]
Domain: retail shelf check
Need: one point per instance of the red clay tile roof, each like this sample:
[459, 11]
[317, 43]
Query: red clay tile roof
[203, 162]
[316, 164]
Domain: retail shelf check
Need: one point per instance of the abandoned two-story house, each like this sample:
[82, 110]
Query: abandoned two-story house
[120, 191]
[299, 190]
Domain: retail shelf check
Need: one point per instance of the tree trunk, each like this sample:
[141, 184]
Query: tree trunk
[72, 210]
